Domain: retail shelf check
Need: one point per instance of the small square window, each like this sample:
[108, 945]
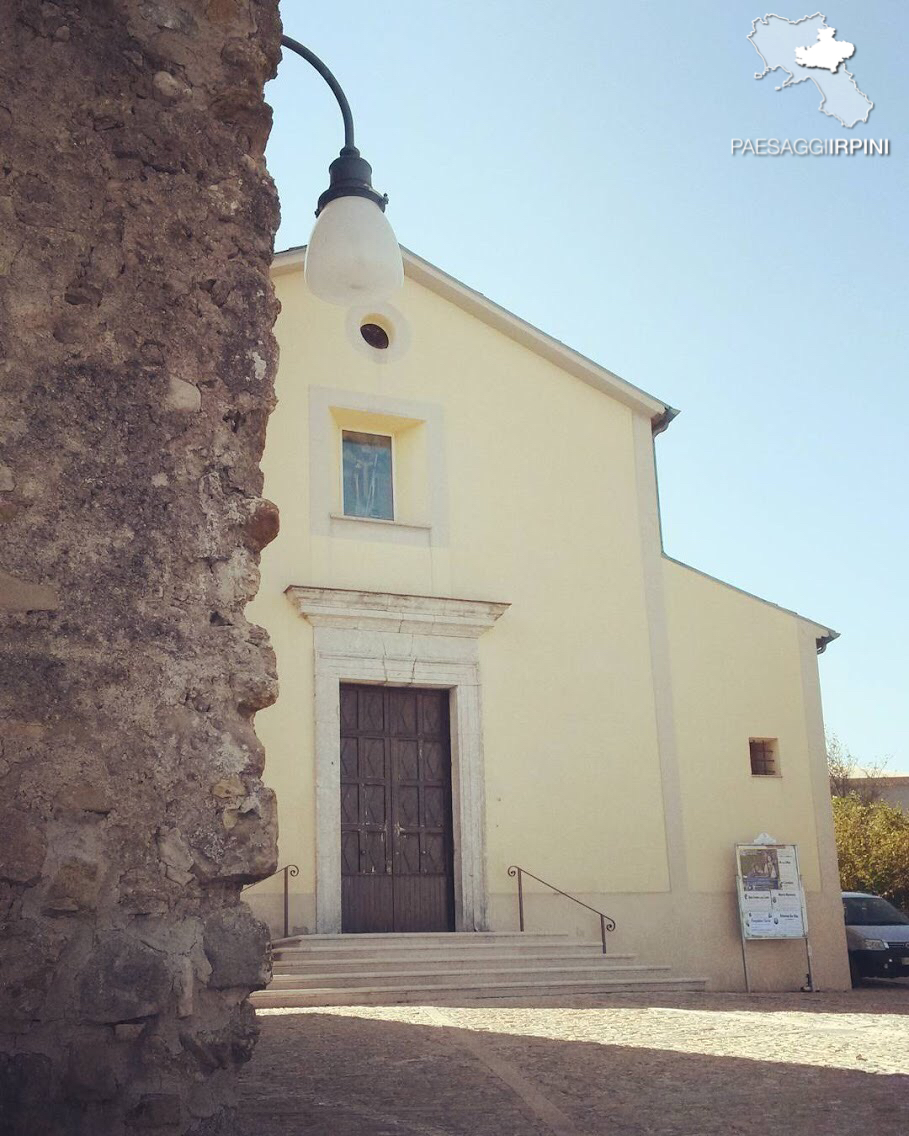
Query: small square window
[366, 461]
[764, 761]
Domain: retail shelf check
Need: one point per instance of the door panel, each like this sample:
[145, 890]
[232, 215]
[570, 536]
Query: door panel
[396, 829]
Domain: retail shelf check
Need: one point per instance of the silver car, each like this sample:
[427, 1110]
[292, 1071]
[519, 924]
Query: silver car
[877, 935]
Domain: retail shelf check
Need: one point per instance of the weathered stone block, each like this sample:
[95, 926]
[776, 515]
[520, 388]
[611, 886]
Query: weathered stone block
[94, 1072]
[167, 88]
[23, 595]
[183, 396]
[22, 848]
[143, 893]
[74, 887]
[262, 526]
[236, 945]
[27, 1091]
[248, 845]
[29, 956]
[123, 980]
[85, 798]
[174, 851]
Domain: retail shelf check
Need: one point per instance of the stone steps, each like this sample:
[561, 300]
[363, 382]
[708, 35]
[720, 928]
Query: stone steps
[428, 960]
[332, 970]
[419, 939]
[523, 972]
[372, 995]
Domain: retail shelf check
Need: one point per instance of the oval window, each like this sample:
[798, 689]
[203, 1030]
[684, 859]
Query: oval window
[375, 335]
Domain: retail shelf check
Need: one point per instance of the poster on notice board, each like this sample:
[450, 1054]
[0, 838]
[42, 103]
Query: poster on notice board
[771, 900]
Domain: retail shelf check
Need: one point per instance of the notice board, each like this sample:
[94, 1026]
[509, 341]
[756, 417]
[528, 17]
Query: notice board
[771, 897]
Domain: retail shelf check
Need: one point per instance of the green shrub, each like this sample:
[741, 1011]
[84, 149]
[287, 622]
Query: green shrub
[872, 842]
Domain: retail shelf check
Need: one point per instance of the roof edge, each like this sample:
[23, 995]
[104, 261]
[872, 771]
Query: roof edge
[885, 781]
[827, 634]
[520, 331]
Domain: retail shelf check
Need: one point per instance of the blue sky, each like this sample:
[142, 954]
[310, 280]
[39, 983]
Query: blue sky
[572, 161]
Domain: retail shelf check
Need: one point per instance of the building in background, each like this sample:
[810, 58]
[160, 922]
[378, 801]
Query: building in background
[894, 790]
[486, 658]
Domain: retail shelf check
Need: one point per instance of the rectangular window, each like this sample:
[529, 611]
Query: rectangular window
[763, 757]
[367, 475]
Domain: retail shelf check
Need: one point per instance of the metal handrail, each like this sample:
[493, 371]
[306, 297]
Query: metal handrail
[288, 870]
[606, 922]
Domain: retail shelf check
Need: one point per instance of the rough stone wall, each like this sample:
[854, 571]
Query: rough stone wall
[136, 378]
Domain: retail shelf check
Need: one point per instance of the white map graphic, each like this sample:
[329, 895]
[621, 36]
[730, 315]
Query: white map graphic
[828, 52]
[786, 45]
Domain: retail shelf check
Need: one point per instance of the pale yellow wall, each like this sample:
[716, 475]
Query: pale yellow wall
[745, 669]
[542, 513]
[736, 674]
[535, 496]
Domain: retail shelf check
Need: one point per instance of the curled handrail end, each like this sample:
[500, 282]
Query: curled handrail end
[607, 921]
[291, 869]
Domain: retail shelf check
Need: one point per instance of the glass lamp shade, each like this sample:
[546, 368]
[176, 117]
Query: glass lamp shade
[353, 256]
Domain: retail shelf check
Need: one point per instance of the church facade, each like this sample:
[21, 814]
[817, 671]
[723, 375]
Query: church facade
[486, 658]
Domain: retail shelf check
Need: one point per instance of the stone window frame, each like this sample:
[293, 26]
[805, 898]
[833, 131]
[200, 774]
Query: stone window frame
[400, 640]
[325, 520]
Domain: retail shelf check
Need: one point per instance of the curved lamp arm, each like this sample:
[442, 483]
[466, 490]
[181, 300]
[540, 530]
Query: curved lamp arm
[349, 174]
[316, 62]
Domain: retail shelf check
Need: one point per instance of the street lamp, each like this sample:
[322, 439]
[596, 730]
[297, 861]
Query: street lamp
[353, 255]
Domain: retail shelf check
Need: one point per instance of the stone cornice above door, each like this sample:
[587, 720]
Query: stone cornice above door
[387, 611]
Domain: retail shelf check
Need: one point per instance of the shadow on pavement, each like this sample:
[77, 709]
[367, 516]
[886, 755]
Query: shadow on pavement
[327, 1073]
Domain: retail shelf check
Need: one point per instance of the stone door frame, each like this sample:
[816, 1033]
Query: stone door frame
[400, 640]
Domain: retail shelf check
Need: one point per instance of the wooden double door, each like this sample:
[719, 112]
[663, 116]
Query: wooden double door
[397, 860]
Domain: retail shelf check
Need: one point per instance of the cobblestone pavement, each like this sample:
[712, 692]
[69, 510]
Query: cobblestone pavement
[623, 1065]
